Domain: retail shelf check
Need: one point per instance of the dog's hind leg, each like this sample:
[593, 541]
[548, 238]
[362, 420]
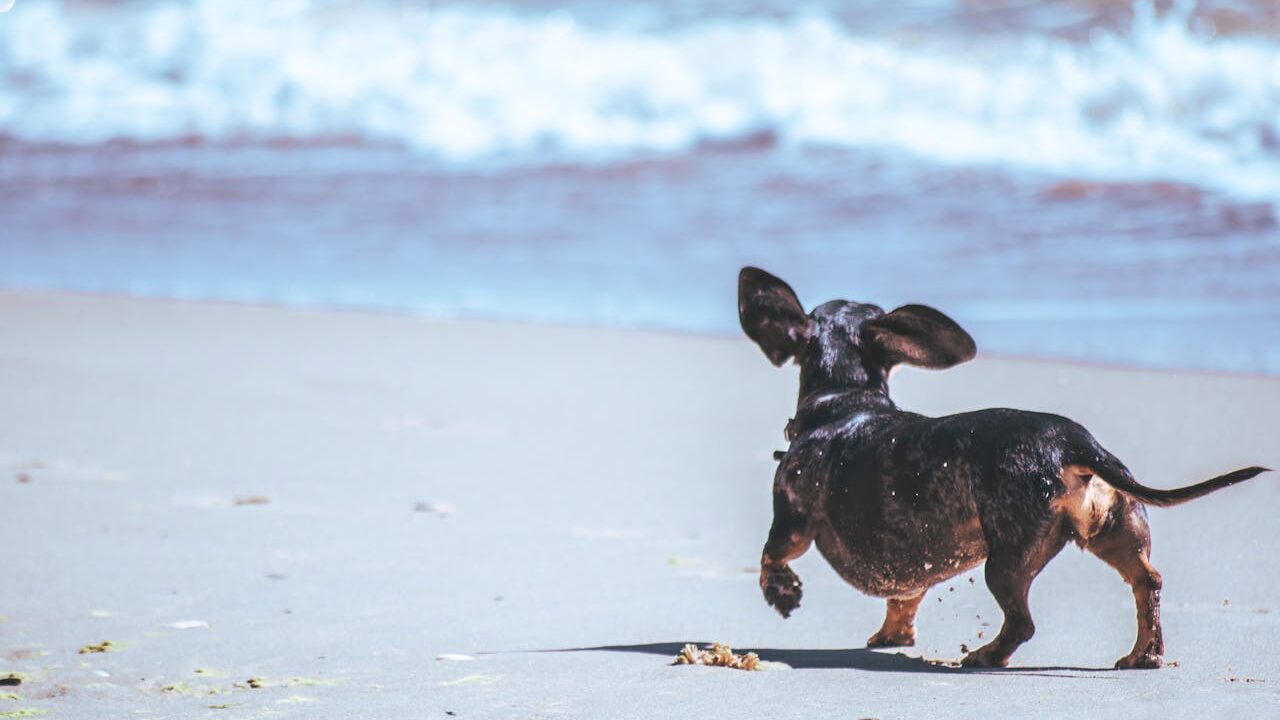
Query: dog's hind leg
[1125, 544]
[1010, 570]
[899, 629]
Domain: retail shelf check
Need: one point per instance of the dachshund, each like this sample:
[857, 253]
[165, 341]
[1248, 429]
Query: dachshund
[899, 502]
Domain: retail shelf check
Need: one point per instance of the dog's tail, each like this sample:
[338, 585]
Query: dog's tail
[1109, 468]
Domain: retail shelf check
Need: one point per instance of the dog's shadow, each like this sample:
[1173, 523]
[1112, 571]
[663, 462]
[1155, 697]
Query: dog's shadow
[852, 659]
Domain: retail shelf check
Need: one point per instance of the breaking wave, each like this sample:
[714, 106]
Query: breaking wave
[1158, 101]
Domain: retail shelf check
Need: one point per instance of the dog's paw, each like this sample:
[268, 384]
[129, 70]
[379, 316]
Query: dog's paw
[781, 590]
[985, 657]
[898, 638]
[1140, 661]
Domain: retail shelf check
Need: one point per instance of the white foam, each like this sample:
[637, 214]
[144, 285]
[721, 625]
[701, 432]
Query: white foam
[462, 83]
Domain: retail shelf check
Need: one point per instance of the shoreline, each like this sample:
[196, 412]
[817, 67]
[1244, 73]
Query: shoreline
[649, 330]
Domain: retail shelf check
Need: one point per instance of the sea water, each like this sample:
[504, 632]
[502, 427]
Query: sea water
[1087, 179]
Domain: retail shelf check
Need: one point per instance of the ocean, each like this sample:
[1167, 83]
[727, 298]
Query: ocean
[1093, 180]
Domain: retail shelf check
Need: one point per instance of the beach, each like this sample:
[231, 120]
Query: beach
[381, 360]
[270, 512]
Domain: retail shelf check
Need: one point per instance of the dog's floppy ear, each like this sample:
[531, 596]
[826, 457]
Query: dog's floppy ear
[918, 335]
[771, 314]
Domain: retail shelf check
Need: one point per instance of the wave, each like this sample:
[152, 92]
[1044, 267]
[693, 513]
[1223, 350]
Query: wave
[463, 83]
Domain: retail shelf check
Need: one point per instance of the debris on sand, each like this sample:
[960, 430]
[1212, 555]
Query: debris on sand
[22, 713]
[102, 647]
[718, 654]
[255, 683]
[12, 679]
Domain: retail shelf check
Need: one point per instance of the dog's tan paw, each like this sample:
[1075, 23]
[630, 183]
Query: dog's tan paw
[900, 638]
[985, 657]
[1140, 661]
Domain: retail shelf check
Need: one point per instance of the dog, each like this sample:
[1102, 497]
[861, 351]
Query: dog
[899, 502]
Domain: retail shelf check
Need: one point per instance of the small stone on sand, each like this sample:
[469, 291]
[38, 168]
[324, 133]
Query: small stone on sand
[443, 509]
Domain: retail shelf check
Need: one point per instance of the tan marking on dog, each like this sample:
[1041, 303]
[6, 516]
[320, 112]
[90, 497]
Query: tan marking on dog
[1087, 501]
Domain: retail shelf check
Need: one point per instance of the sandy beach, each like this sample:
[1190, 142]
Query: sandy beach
[276, 513]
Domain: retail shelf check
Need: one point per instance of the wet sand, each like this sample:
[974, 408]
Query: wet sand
[273, 513]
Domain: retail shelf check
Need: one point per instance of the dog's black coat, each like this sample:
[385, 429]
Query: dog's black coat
[898, 502]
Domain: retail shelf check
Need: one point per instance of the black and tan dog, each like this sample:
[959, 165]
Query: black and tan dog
[898, 502]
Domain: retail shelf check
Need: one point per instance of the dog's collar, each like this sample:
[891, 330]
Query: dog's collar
[823, 408]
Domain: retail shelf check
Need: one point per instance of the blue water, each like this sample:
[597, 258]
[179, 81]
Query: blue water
[1089, 180]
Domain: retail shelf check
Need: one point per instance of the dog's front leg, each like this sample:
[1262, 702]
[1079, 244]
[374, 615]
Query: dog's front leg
[789, 538]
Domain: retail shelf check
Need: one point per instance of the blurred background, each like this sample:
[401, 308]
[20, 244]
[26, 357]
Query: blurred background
[1096, 180]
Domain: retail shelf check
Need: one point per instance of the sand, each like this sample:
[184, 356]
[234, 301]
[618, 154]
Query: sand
[275, 513]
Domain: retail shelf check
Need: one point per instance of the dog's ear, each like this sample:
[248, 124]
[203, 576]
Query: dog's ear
[771, 314]
[918, 335]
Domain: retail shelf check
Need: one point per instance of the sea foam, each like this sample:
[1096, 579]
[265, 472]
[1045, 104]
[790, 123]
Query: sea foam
[463, 83]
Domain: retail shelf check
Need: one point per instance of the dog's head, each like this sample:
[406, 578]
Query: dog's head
[845, 343]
